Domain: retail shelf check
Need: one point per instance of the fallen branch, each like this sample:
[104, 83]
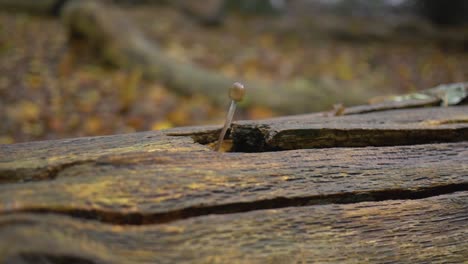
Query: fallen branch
[121, 43]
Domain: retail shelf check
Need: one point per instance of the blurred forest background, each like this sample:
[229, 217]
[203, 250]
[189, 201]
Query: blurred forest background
[81, 67]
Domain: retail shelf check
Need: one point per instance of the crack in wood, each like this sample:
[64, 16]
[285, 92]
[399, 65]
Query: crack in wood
[43, 257]
[332, 138]
[260, 138]
[37, 174]
[138, 218]
[383, 128]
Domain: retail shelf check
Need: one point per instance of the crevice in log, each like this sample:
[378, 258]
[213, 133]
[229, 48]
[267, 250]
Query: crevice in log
[206, 137]
[379, 127]
[42, 257]
[253, 139]
[37, 174]
[139, 218]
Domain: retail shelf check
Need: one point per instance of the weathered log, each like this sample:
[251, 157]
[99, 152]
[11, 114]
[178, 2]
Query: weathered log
[160, 186]
[387, 128]
[20, 161]
[164, 197]
[431, 230]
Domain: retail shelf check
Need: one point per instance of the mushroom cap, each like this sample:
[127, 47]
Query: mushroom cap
[237, 92]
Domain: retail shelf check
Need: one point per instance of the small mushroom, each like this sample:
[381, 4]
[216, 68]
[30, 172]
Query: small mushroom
[236, 93]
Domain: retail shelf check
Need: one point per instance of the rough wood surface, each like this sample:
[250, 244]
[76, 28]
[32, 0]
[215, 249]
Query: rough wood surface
[385, 128]
[152, 187]
[164, 197]
[431, 230]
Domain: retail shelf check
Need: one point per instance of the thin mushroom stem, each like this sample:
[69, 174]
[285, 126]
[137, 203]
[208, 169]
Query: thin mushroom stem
[227, 124]
[236, 93]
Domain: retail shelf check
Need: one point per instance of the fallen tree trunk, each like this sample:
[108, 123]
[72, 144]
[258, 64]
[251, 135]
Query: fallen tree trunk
[160, 197]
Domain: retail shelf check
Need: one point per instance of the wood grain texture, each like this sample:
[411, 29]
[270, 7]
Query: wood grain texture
[43, 159]
[404, 231]
[149, 187]
[163, 197]
[386, 128]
